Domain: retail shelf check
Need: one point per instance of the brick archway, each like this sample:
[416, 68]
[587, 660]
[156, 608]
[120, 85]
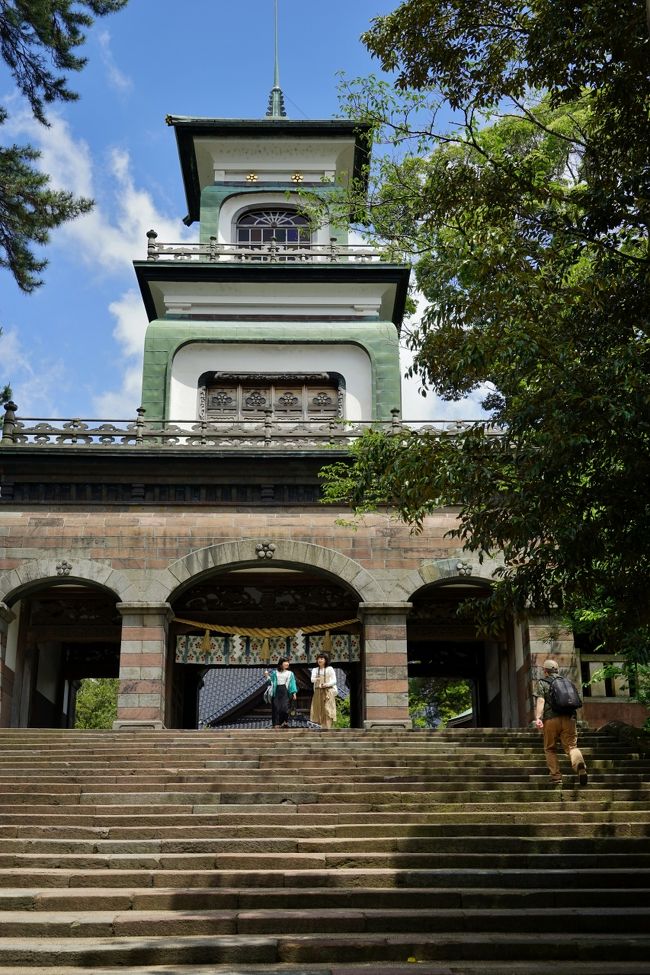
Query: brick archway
[32, 575]
[286, 553]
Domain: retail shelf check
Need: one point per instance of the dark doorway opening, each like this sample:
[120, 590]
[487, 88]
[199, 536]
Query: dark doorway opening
[254, 598]
[67, 632]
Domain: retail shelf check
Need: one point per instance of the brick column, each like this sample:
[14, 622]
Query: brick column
[6, 675]
[141, 701]
[385, 676]
[548, 638]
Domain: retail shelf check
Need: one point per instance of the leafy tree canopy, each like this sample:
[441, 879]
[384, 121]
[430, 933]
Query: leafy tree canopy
[39, 40]
[433, 701]
[96, 703]
[528, 226]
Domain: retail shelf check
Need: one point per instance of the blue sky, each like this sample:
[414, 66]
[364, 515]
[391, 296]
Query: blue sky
[73, 348]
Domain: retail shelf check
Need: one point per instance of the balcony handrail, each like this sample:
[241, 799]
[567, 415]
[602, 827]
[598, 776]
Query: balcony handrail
[266, 430]
[269, 252]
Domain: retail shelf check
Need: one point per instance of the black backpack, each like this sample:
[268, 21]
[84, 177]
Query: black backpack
[563, 695]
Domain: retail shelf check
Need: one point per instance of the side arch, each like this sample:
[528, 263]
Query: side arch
[462, 568]
[32, 575]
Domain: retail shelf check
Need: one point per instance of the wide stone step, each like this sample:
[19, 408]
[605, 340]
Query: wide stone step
[469, 967]
[535, 790]
[335, 877]
[540, 814]
[317, 949]
[301, 756]
[300, 860]
[344, 920]
[331, 843]
[315, 900]
[257, 779]
[195, 827]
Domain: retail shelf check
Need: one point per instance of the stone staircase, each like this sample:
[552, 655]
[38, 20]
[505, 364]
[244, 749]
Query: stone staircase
[339, 852]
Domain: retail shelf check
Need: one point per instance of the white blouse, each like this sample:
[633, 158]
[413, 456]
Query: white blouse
[327, 675]
[283, 677]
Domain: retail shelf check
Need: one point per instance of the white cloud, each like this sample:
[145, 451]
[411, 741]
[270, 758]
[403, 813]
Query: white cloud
[116, 78]
[418, 408]
[131, 322]
[107, 240]
[114, 232]
[36, 379]
[122, 403]
[129, 332]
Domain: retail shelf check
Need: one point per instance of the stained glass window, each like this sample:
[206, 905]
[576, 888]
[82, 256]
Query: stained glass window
[259, 227]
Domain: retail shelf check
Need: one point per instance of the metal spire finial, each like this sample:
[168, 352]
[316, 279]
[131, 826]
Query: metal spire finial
[276, 98]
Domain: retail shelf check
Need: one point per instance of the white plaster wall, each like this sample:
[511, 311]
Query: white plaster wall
[220, 159]
[193, 360]
[347, 301]
[519, 644]
[49, 659]
[11, 654]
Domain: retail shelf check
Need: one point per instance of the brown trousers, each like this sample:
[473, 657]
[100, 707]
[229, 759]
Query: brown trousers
[561, 729]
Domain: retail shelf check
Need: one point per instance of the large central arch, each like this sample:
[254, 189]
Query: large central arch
[284, 554]
[284, 584]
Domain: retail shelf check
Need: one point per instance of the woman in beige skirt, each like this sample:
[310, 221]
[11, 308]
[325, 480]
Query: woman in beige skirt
[323, 705]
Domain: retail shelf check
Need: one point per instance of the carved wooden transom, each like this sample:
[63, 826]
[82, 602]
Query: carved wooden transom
[293, 397]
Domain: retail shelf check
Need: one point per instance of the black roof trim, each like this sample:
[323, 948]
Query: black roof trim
[187, 129]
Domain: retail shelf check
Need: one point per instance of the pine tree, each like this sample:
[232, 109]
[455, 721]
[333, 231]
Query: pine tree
[38, 42]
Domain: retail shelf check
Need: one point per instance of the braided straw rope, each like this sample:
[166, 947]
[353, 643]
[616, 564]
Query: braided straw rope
[265, 633]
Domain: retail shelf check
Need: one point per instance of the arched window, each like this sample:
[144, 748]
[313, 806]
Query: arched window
[263, 226]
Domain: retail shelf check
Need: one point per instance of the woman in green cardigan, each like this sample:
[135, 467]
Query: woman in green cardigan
[284, 690]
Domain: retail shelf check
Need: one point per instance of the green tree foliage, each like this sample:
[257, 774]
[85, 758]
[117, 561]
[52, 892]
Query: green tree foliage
[433, 701]
[527, 221]
[342, 712]
[38, 42]
[96, 704]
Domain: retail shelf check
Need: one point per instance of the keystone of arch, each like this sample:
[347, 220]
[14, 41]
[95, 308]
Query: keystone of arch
[36, 571]
[287, 552]
[446, 570]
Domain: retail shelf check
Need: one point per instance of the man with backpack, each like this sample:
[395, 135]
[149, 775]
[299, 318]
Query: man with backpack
[555, 714]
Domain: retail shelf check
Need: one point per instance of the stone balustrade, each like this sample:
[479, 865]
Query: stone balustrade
[271, 252]
[267, 431]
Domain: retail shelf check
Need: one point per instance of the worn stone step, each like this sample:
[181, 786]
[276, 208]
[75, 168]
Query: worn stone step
[314, 746]
[539, 814]
[317, 949]
[262, 860]
[498, 800]
[316, 899]
[337, 877]
[466, 967]
[345, 920]
[445, 946]
[197, 827]
[398, 842]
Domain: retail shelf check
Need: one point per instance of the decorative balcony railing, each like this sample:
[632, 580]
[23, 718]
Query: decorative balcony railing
[268, 432]
[273, 252]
